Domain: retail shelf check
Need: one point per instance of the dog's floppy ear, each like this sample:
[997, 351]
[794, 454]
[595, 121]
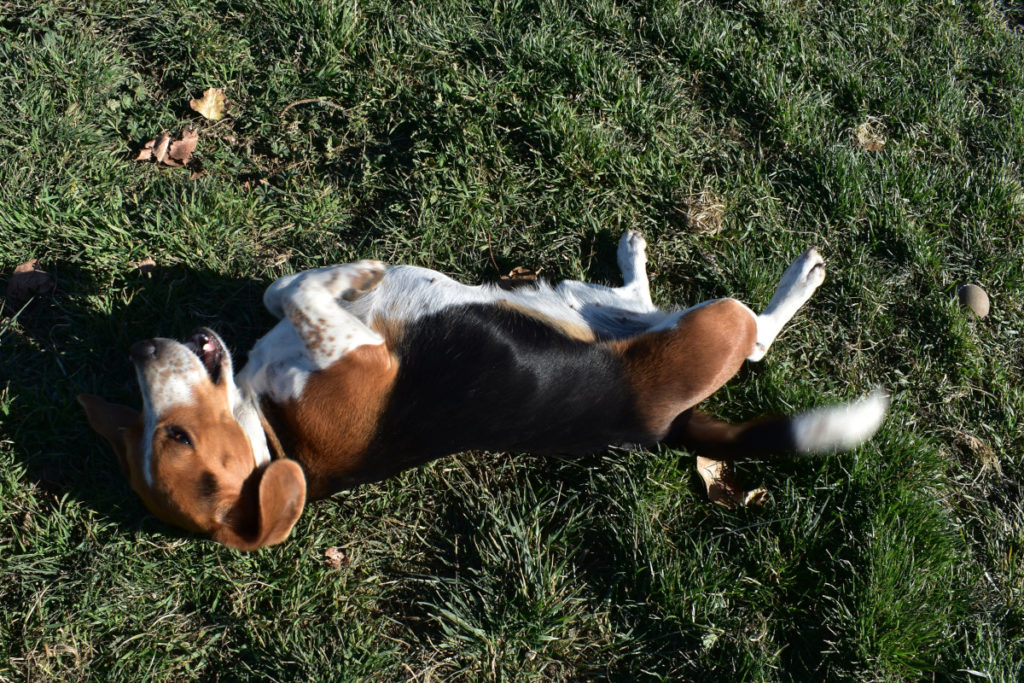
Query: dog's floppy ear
[267, 508]
[111, 421]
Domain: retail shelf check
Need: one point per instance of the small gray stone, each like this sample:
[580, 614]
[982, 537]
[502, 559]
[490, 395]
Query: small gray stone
[974, 298]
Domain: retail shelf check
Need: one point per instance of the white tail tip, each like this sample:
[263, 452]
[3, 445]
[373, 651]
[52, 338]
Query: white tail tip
[840, 427]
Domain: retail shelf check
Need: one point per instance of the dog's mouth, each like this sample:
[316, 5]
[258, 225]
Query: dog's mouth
[209, 350]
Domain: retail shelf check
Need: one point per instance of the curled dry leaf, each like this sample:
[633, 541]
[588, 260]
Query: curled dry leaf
[155, 148]
[336, 557]
[160, 147]
[168, 151]
[210, 105]
[27, 281]
[522, 273]
[723, 489]
[146, 153]
[180, 151]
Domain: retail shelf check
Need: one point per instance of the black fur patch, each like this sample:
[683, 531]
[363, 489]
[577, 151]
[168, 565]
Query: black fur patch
[489, 377]
[208, 487]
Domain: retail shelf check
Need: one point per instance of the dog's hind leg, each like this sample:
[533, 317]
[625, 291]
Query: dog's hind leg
[797, 285]
[671, 370]
[632, 258]
[635, 293]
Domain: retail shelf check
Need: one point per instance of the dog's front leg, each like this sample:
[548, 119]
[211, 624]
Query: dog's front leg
[312, 302]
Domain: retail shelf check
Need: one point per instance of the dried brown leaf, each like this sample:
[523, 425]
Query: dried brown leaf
[723, 489]
[27, 281]
[170, 151]
[146, 153]
[336, 557]
[180, 151]
[522, 273]
[160, 146]
[211, 105]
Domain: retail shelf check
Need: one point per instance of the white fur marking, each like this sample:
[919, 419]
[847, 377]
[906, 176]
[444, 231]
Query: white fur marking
[840, 427]
[165, 384]
[797, 285]
[248, 418]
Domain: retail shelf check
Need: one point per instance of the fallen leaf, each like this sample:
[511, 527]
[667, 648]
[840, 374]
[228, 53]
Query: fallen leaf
[27, 281]
[723, 489]
[522, 273]
[336, 557]
[146, 153]
[160, 147]
[180, 151]
[146, 266]
[169, 151]
[210, 105]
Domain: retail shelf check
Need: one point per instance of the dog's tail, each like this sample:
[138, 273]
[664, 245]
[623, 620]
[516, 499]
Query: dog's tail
[823, 430]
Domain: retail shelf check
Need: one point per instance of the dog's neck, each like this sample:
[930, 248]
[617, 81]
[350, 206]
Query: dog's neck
[246, 409]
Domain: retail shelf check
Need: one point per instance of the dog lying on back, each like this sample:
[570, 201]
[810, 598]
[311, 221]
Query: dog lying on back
[375, 369]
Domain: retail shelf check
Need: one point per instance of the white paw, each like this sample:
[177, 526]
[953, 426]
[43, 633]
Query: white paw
[632, 242]
[632, 253]
[804, 275]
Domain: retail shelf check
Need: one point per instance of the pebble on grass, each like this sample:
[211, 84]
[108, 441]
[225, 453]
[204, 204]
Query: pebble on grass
[974, 298]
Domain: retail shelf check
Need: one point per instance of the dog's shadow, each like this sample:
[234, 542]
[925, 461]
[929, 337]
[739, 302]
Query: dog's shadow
[74, 339]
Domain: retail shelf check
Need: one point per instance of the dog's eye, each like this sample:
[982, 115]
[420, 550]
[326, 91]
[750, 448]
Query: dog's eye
[179, 435]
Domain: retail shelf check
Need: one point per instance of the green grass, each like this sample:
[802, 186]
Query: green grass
[473, 137]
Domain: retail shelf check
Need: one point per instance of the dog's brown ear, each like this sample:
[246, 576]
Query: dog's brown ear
[267, 509]
[111, 421]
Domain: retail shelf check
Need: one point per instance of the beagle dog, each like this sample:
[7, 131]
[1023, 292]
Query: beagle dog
[374, 369]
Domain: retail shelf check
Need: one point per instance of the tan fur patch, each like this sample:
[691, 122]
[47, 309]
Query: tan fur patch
[391, 329]
[217, 462]
[571, 330]
[337, 415]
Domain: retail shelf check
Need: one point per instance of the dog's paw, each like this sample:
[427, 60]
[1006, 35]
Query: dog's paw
[632, 242]
[812, 268]
[804, 275]
[367, 275]
[632, 255]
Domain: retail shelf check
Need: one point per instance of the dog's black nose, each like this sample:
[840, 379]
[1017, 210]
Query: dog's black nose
[143, 351]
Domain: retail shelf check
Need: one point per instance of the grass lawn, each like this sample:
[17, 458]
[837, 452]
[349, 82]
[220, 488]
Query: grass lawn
[474, 137]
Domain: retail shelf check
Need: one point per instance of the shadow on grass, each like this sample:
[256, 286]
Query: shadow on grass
[62, 345]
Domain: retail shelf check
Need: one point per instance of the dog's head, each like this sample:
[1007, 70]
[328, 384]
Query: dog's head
[197, 454]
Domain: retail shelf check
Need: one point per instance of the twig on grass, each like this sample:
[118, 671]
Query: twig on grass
[490, 252]
[311, 100]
